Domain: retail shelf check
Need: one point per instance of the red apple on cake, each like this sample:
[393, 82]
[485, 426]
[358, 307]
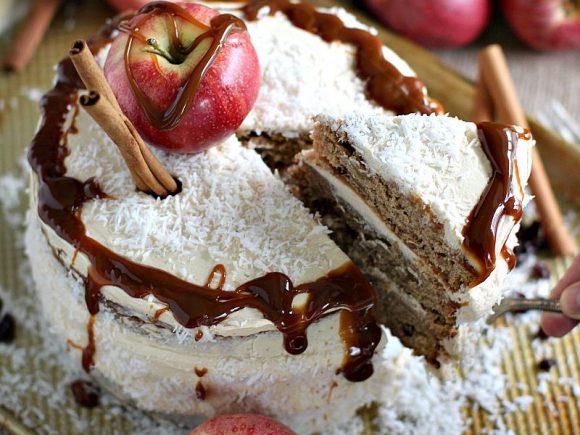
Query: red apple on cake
[185, 75]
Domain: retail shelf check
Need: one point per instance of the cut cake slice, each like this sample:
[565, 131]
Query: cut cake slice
[428, 207]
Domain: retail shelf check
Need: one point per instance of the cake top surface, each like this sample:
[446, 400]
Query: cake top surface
[437, 158]
[232, 211]
[303, 76]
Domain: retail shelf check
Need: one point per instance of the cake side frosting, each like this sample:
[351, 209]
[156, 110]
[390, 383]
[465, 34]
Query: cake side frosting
[160, 372]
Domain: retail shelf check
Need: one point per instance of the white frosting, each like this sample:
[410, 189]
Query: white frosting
[303, 76]
[436, 157]
[156, 369]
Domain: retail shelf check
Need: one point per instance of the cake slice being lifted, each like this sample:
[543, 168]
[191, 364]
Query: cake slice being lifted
[428, 207]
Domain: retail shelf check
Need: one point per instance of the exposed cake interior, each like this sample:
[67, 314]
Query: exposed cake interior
[398, 193]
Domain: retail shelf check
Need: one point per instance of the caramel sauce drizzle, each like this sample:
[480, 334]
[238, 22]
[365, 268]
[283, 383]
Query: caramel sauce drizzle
[499, 199]
[200, 372]
[60, 200]
[384, 82]
[220, 28]
[200, 390]
[159, 313]
[88, 354]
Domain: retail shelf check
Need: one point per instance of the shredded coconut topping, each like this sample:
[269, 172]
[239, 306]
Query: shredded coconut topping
[302, 76]
[232, 211]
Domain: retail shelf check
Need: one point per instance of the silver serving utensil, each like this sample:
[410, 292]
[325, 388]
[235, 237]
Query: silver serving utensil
[522, 304]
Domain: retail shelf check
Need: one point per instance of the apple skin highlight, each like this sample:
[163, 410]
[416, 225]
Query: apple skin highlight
[225, 95]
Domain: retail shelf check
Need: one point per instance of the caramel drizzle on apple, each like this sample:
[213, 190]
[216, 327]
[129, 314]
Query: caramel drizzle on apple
[219, 29]
[384, 82]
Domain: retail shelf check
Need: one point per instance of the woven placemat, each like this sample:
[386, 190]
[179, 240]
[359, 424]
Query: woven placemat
[555, 408]
[555, 411]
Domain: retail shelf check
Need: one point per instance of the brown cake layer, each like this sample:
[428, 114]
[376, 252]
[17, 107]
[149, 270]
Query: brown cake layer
[409, 217]
[413, 299]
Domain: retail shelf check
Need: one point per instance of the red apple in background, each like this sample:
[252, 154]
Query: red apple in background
[434, 23]
[159, 68]
[545, 24]
[242, 424]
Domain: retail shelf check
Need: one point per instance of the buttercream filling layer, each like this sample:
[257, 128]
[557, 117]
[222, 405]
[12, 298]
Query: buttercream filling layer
[477, 301]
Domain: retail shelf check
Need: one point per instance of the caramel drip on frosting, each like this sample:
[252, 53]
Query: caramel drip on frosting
[220, 28]
[200, 372]
[384, 82]
[200, 391]
[498, 200]
[60, 200]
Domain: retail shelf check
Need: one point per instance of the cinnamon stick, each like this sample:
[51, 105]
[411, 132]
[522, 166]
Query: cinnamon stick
[497, 79]
[483, 105]
[158, 170]
[92, 76]
[91, 73]
[30, 34]
[112, 123]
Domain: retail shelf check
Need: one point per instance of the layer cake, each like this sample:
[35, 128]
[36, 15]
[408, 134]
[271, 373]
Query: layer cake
[428, 207]
[230, 296]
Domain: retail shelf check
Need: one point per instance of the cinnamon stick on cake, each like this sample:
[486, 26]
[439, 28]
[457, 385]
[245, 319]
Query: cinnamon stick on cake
[431, 206]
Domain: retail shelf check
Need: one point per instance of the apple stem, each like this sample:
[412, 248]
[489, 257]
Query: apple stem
[155, 49]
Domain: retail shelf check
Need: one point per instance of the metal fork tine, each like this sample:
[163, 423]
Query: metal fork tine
[519, 304]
